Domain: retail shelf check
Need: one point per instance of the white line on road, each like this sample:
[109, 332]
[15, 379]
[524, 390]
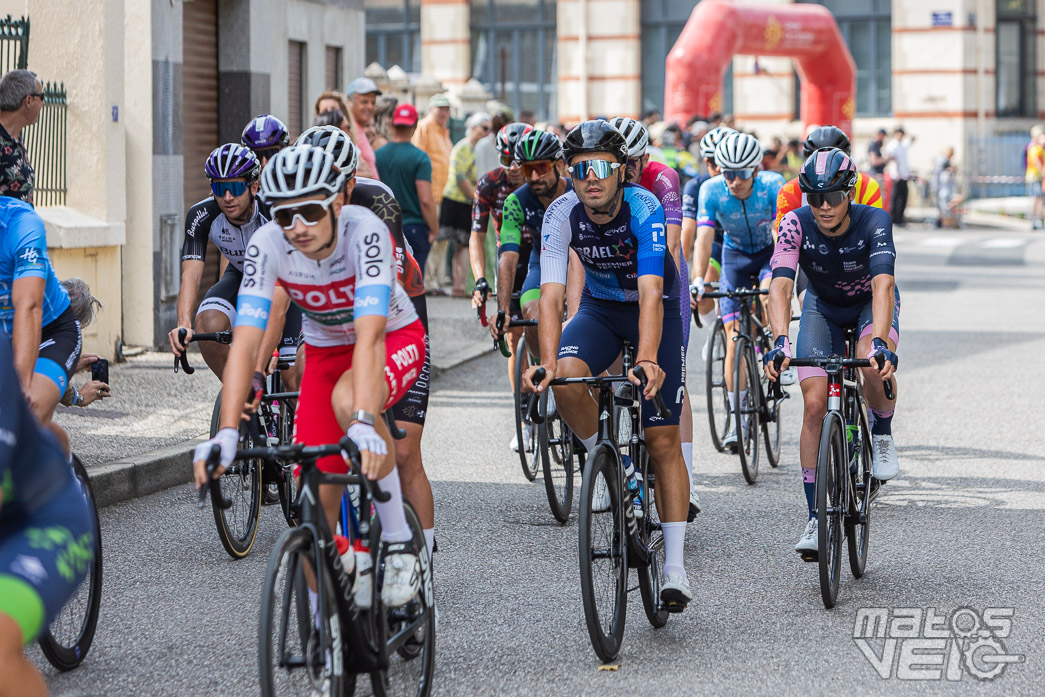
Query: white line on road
[942, 242]
[1004, 243]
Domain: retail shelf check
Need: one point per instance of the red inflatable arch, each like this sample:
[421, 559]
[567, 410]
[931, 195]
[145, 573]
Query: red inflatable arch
[717, 30]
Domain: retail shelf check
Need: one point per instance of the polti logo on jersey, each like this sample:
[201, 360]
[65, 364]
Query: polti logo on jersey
[332, 296]
[406, 356]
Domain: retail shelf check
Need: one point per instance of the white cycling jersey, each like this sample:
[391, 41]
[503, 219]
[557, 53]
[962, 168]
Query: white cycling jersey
[357, 280]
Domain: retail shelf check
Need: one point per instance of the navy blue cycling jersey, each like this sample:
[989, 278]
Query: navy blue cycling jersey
[839, 268]
[690, 196]
[747, 223]
[614, 254]
[23, 254]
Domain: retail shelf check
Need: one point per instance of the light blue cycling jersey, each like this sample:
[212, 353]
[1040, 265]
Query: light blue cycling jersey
[23, 254]
[747, 223]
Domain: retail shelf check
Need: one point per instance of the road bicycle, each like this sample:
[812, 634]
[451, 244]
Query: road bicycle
[626, 534]
[68, 638]
[845, 488]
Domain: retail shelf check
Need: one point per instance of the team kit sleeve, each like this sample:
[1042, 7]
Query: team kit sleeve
[31, 260]
[883, 252]
[667, 190]
[785, 255]
[707, 205]
[689, 198]
[512, 222]
[650, 232]
[555, 239]
[481, 205]
[260, 275]
[197, 230]
[375, 268]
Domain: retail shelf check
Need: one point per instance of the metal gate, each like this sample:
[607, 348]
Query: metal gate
[996, 165]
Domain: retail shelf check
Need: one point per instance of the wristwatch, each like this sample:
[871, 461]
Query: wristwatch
[364, 417]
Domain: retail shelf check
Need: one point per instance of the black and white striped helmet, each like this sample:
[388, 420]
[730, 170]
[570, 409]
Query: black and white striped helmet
[300, 170]
[738, 151]
[711, 140]
[635, 135]
[336, 142]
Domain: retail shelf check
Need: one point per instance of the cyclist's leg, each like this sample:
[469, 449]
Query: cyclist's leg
[60, 347]
[735, 274]
[686, 419]
[217, 313]
[874, 391]
[512, 339]
[530, 299]
[21, 678]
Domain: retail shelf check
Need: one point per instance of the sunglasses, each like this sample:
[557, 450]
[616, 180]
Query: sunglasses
[266, 153]
[506, 160]
[634, 162]
[602, 169]
[310, 212]
[731, 174]
[219, 189]
[833, 198]
[540, 168]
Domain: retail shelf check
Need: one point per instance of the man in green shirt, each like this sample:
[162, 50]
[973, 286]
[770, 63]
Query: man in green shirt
[407, 171]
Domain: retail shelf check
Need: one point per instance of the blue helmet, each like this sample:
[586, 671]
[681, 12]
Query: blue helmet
[232, 161]
[265, 131]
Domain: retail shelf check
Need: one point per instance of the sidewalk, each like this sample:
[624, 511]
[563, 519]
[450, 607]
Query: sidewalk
[138, 441]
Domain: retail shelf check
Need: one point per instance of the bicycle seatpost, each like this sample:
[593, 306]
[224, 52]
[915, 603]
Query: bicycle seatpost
[183, 359]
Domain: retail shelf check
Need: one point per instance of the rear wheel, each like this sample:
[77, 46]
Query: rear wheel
[558, 458]
[603, 555]
[858, 533]
[771, 426]
[69, 636]
[241, 486]
[746, 412]
[650, 576]
[526, 438]
[830, 467]
[719, 413]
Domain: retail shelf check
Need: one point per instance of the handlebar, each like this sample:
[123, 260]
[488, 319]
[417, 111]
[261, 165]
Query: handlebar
[213, 459]
[484, 293]
[821, 362]
[224, 337]
[533, 411]
[737, 293]
[501, 344]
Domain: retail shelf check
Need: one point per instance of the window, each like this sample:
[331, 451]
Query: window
[295, 87]
[393, 33]
[662, 22]
[513, 52]
[333, 69]
[1015, 35]
[867, 29]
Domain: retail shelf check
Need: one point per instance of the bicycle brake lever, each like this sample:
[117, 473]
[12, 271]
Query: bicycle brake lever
[183, 358]
[212, 484]
[887, 385]
[657, 401]
[500, 344]
[533, 411]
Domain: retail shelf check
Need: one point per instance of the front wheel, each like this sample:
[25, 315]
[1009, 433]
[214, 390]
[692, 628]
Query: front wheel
[525, 432]
[858, 524]
[650, 576]
[746, 411]
[719, 410]
[558, 458]
[771, 425]
[830, 468]
[68, 638]
[241, 485]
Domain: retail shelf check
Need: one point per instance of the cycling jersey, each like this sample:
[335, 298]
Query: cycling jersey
[379, 200]
[490, 194]
[614, 254]
[206, 221]
[663, 182]
[747, 223]
[791, 197]
[357, 280]
[839, 268]
[23, 254]
[523, 216]
[690, 194]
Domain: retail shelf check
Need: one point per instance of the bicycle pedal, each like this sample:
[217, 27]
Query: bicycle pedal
[672, 606]
[809, 556]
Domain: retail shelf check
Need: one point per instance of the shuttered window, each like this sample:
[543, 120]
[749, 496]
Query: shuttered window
[296, 88]
[333, 68]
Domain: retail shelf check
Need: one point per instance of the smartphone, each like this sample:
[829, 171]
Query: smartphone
[100, 370]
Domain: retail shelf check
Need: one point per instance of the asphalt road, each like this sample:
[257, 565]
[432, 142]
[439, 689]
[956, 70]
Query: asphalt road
[960, 527]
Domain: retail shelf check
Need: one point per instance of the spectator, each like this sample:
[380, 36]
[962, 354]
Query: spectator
[1033, 175]
[943, 186]
[897, 152]
[527, 117]
[433, 137]
[455, 215]
[334, 100]
[21, 100]
[650, 117]
[381, 129]
[362, 95]
[486, 156]
[792, 160]
[876, 157]
[408, 173]
[84, 306]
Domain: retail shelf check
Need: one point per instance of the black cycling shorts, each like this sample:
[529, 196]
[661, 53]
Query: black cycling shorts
[413, 406]
[60, 345]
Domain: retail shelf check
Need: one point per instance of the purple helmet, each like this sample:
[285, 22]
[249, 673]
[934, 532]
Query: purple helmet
[265, 131]
[232, 161]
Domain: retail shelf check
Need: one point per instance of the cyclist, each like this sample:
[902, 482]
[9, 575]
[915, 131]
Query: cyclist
[265, 135]
[410, 411]
[847, 251]
[631, 292]
[663, 182]
[228, 219]
[364, 344]
[712, 266]
[35, 313]
[46, 531]
[743, 201]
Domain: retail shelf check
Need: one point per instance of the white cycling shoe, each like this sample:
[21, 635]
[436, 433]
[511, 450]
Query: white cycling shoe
[808, 544]
[527, 436]
[731, 437]
[600, 495]
[675, 593]
[402, 574]
[789, 377]
[884, 463]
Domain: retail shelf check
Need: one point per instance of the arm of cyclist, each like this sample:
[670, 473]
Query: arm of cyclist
[191, 277]
[477, 242]
[651, 324]
[785, 268]
[27, 298]
[506, 263]
[882, 305]
[368, 392]
[549, 332]
[512, 221]
[269, 343]
[690, 193]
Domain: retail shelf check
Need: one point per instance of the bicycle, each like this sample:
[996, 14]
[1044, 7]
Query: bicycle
[719, 409]
[845, 488]
[346, 641]
[68, 638]
[618, 535]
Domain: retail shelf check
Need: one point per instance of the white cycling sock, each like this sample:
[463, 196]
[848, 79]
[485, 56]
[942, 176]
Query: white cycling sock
[708, 318]
[313, 600]
[732, 398]
[674, 544]
[743, 403]
[429, 540]
[390, 513]
[589, 443]
[687, 455]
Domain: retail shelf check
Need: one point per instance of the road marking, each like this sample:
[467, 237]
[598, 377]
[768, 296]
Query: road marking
[1004, 243]
[942, 242]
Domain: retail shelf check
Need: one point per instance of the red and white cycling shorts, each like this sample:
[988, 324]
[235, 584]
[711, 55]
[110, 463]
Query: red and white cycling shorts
[315, 422]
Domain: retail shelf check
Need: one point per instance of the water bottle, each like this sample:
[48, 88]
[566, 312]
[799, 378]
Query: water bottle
[630, 478]
[364, 575]
[344, 550]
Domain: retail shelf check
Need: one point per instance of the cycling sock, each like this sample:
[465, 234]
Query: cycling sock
[429, 540]
[687, 455]
[743, 403]
[313, 601]
[674, 544]
[809, 485]
[883, 422]
[390, 513]
[708, 318]
[732, 398]
[590, 441]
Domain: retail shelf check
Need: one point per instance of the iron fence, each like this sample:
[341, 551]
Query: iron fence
[996, 165]
[45, 141]
[14, 43]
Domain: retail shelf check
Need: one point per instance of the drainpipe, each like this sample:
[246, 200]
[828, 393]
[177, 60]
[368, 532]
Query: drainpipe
[582, 41]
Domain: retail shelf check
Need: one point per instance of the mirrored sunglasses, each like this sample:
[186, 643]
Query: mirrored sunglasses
[602, 169]
[219, 189]
[310, 213]
[731, 174]
[833, 198]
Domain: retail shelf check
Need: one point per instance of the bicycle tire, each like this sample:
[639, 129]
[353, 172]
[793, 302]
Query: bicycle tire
[63, 650]
[285, 591]
[719, 412]
[557, 458]
[858, 533]
[287, 485]
[650, 576]
[830, 467]
[215, 414]
[771, 431]
[744, 372]
[528, 456]
[608, 526]
[238, 525]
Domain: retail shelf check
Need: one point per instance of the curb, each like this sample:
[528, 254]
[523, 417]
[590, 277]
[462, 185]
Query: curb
[141, 475]
[462, 358]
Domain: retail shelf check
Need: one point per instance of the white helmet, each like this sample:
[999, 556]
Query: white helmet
[738, 151]
[300, 170]
[635, 135]
[336, 142]
[711, 140]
